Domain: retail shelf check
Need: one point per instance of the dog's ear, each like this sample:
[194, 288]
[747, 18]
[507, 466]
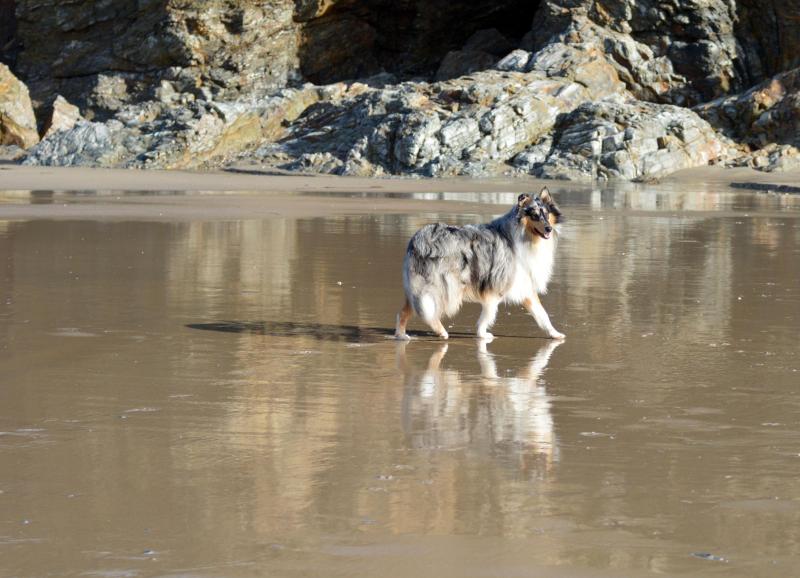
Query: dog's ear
[524, 200]
[547, 199]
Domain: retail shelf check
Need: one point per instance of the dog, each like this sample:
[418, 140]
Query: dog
[509, 260]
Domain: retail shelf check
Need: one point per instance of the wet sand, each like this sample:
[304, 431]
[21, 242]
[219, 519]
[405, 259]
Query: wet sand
[203, 385]
[79, 178]
[24, 178]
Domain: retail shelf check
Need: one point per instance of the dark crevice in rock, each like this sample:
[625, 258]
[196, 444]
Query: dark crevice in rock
[768, 34]
[9, 45]
[408, 38]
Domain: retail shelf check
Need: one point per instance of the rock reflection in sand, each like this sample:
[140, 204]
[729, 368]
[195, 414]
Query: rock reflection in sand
[444, 408]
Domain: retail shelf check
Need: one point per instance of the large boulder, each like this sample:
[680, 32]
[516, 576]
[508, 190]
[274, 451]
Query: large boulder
[17, 121]
[624, 138]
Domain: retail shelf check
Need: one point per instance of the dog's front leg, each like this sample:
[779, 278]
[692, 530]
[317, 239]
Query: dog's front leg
[534, 307]
[486, 361]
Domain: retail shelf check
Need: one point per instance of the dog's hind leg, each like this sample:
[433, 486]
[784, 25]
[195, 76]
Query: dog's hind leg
[428, 312]
[402, 321]
[488, 315]
[438, 328]
[436, 359]
[535, 308]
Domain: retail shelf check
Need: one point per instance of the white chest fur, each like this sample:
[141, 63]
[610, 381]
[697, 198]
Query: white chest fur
[534, 267]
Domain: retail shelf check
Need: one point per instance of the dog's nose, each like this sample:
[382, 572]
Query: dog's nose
[548, 229]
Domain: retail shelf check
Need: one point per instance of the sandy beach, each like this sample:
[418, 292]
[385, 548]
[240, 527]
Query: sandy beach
[16, 177]
[201, 383]
[119, 194]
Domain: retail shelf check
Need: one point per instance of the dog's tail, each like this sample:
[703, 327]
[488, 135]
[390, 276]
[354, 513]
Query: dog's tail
[423, 304]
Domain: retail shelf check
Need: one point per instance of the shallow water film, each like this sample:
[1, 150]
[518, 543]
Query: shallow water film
[196, 395]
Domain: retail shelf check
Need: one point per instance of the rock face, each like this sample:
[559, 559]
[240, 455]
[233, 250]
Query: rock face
[457, 127]
[17, 123]
[768, 112]
[768, 32]
[706, 48]
[764, 120]
[556, 88]
[104, 54]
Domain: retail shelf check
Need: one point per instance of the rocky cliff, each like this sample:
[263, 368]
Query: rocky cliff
[629, 89]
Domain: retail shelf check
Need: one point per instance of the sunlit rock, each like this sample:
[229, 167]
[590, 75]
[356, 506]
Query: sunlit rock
[62, 116]
[17, 122]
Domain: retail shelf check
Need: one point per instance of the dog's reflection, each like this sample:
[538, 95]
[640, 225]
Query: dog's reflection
[484, 411]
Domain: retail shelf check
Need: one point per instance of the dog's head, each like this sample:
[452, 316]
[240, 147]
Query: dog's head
[539, 214]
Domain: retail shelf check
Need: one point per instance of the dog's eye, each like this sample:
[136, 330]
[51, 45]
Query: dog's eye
[534, 213]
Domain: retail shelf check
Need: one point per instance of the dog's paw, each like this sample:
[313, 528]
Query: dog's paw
[402, 337]
[557, 335]
[485, 336]
[444, 335]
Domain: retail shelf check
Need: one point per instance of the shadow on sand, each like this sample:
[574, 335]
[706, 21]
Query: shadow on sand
[320, 331]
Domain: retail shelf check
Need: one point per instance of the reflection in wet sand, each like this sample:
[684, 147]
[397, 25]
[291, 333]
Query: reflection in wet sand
[442, 410]
[143, 433]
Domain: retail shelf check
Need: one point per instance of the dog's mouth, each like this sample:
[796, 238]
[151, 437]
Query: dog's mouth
[544, 236]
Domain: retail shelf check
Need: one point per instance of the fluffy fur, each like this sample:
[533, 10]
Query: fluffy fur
[509, 260]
